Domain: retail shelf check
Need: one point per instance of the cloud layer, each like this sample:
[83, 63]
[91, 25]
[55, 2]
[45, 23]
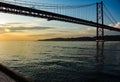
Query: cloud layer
[117, 25]
[35, 31]
[20, 27]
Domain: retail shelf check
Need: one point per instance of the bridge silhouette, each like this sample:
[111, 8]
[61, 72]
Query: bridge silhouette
[28, 9]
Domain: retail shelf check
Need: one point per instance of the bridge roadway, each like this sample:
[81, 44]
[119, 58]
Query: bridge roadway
[20, 10]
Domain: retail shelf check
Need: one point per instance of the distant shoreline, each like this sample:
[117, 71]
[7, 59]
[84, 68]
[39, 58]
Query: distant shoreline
[106, 38]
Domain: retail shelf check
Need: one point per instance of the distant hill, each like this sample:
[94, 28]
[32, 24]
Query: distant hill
[112, 38]
[106, 38]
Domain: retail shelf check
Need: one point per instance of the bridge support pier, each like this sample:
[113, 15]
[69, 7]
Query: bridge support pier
[99, 36]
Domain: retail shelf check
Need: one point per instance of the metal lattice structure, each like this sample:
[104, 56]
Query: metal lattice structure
[100, 20]
[100, 36]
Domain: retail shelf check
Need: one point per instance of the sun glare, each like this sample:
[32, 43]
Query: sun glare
[7, 30]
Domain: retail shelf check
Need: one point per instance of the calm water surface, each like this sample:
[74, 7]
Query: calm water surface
[62, 61]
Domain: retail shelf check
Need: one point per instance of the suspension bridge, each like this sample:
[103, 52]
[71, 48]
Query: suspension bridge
[65, 13]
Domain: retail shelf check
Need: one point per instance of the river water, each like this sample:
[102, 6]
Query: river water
[51, 61]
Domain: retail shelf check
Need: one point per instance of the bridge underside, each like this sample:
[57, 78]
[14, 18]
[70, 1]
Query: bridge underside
[14, 9]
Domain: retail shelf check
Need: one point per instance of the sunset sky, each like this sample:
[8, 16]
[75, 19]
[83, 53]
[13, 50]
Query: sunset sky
[16, 27]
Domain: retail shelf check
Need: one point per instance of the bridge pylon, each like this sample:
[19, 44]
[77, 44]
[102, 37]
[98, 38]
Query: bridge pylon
[100, 20]
[99, 35]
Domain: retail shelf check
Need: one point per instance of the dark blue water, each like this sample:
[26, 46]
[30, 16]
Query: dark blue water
[62, 61]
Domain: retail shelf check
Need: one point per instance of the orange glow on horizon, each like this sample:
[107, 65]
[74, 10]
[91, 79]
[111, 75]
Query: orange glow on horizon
[16, 38]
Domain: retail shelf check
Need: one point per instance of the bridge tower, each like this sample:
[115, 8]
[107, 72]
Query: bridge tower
[100, 20]
[99, 35]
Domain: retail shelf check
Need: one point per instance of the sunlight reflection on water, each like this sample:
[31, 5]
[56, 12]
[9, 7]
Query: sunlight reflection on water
[59, 61]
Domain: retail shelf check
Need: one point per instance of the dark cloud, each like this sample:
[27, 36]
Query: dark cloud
[48, 34]
[63, 31]
[24, 26]
[29, 28]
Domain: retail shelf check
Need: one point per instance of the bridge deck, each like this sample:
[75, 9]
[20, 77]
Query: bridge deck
[15, 9]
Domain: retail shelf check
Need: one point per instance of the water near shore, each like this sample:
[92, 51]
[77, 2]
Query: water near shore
[62, 61]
